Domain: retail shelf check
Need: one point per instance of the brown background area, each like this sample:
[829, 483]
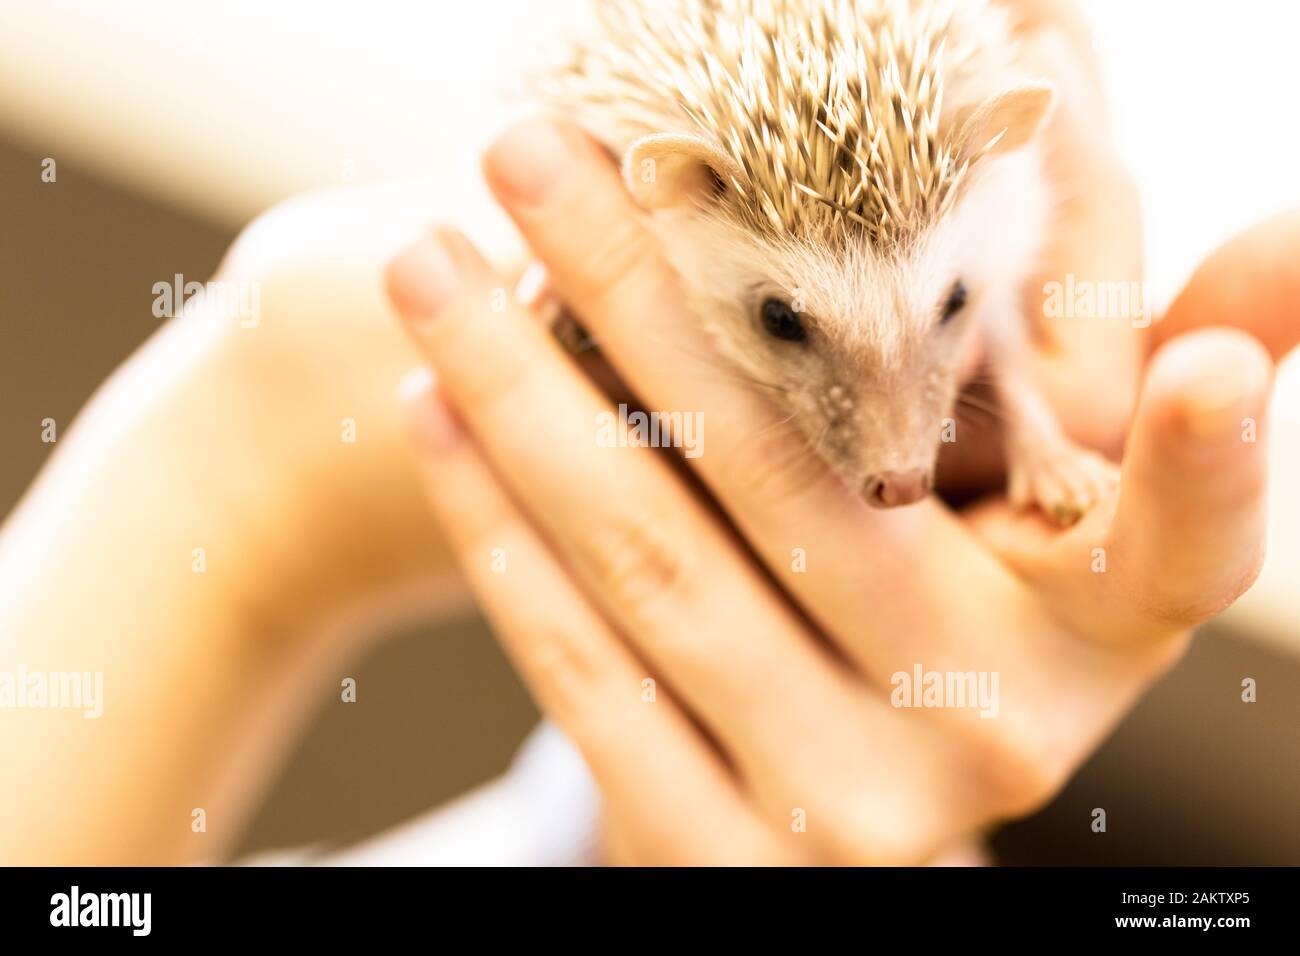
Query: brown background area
[1194, 776]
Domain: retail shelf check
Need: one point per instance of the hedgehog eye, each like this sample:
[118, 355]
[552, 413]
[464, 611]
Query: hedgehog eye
[953, 304]
[781, 322]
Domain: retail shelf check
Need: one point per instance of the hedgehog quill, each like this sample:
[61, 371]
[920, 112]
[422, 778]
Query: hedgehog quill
[853, 194]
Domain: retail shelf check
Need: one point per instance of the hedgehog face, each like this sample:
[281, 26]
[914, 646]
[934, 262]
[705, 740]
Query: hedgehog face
[808, 160]
[863, 334]
[866, 350]
[864, 355]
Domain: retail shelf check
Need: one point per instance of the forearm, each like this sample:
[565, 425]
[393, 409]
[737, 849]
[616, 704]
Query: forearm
[189, 541]
[115, 565]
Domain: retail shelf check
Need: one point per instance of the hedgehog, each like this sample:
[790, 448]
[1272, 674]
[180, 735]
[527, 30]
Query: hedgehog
[854, 197]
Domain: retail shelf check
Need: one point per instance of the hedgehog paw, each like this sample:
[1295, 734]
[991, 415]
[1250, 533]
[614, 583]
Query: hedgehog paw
[1062, 479]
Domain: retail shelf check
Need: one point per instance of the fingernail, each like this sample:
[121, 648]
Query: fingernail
[430, 422]
[1215, 415]
[421, 279]
[416, 385]
[1220, 378]
[532, 285]
[528, 160]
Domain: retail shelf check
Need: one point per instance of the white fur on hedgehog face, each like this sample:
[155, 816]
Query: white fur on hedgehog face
[873, 385]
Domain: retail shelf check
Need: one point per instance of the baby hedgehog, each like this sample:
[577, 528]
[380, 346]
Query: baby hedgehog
[852, 194]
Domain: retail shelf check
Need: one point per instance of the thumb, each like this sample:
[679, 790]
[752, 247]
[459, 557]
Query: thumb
[1187, 537]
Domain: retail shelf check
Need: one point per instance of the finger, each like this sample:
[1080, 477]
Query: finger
[880, 603]
[634, 535]
[891, 588]
[648, 759]
[1252, 282]
[674, 583]
[1188, 533]
[1186, 536]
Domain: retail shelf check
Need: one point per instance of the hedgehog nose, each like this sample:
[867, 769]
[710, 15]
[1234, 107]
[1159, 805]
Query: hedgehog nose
[892, 488]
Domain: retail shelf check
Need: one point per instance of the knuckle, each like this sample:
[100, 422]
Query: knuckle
[1168, 603]
[863, 838]
[260, 245]
[491, 383]
[765, 850]
[1243, 582]
[561, 661]
[276, 238]
[1174, 613]
[638, 562]
[613, 260]
[1017, 774]
[559, 644]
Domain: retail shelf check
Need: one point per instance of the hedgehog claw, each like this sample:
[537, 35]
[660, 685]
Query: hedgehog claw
[1064, 481]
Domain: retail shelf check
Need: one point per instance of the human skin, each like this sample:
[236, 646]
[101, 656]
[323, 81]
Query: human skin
[619, 570]
[228, 438]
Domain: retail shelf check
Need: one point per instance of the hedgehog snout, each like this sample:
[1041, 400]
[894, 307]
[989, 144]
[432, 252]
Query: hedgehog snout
[890, 489]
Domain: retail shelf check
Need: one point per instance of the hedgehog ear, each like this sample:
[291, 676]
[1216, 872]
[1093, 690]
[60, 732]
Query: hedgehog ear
[1004, 121]
[669, 169]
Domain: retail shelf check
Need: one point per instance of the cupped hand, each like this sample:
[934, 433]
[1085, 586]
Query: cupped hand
[730, 653]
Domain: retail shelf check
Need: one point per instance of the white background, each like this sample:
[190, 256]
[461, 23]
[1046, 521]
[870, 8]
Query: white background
[227, 108]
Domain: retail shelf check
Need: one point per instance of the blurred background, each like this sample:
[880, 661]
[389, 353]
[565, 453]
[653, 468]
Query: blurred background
[174, 124]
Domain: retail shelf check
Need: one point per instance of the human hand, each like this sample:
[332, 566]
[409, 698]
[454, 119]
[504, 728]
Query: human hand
[776, 666]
